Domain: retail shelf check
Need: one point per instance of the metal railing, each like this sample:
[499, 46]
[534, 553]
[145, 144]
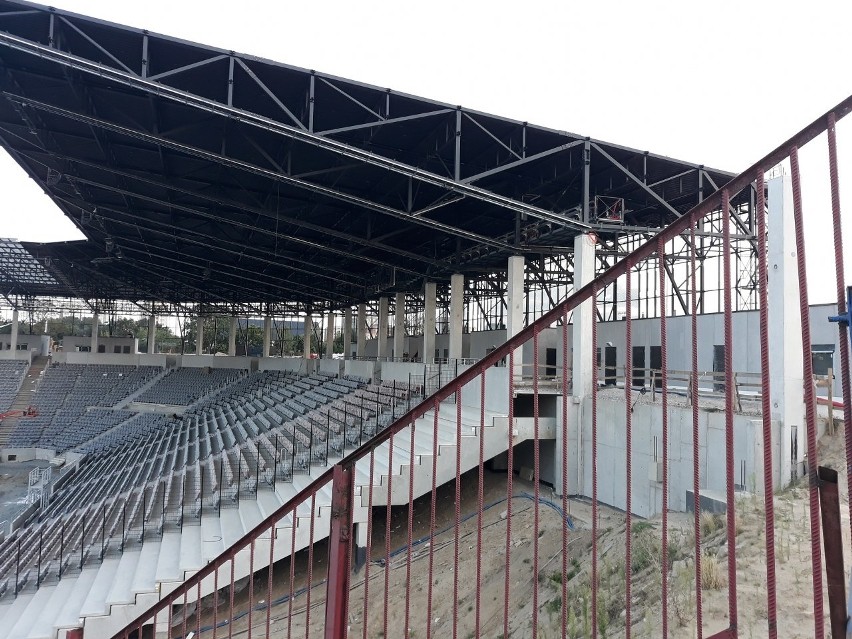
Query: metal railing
[457, 566]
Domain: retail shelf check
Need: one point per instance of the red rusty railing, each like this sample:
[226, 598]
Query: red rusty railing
[413, 452]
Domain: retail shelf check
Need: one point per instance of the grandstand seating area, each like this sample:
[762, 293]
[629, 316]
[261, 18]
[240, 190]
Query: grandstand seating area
[64, 397]
[144, 473]
[12, 374]
[185, 386]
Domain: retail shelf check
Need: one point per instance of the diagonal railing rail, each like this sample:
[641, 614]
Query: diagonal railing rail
[394, 467]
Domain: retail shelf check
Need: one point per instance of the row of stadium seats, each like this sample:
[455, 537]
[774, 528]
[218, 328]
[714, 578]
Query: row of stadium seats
[151, 473]
[184, 386]
[65, 394]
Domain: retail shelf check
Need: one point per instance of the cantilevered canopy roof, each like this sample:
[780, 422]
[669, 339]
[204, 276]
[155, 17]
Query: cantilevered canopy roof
[203, 175]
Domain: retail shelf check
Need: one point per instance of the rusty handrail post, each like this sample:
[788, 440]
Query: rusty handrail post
[339, 553]
[829, 501]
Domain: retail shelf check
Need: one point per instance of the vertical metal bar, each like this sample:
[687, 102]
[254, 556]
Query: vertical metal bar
[291, 592]
[595, 578]
[432, 502]
[843, 335]
[509, 492]
[272, 535]
[730, 523]
[215, 600]
[628, 428]
[410, 538]
[766, 409]
[366, 612]
[198, 608]
[457, 167]
[311, 103]
[833, 540]
[145, 61]
[38, 564]
[664, 363]
[479, 503]
[339, 553]
[310, 565]
[457, 522]
[696, 458]
[231, 603]
[587, 163]
[183, 613]
[231, 81]
[388, 534]
[564, 454]
[536, 477]
[250, 588]
[810, 399]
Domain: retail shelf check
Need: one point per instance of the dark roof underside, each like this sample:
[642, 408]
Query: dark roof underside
[200, 175]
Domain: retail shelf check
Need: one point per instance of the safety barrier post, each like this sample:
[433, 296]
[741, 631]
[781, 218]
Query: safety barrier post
[339, 554]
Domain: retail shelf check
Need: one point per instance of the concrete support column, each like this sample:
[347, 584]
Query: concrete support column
[359, 534]
[152, 334]
[232, 337]
[382, 344]
[13, 342]
[582, 371]
[347, 333]
[429, 307]
[361, 331]
[199, 335]
[456, 319]
[399, 325]
[785, 335]
[308, 331]
[267, 336]
[93, 347]
[515, 306]
[329, 336]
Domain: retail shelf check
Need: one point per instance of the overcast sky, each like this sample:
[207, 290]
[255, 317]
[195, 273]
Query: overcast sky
[716, 83]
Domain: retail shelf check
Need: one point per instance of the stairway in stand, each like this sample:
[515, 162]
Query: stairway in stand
[24, 398]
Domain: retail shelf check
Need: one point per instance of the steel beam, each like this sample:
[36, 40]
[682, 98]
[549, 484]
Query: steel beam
[268, 124]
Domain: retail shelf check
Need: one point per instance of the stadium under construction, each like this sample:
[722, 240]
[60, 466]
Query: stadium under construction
[475, 298]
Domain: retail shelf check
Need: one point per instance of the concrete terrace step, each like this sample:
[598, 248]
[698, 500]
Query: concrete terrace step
[172, 559]
[146, 569]
[123, 585]
[37, 607]
[120, 592]
[44, 627]
[69, 615]
[95, 602]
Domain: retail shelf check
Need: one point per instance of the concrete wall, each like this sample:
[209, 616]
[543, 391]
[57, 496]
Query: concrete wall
[294, 364]
[361, 368]
[331, 366]
[37, 344]
[71, 343]
[26, 355]
[139, 359]
[214, 361]
[647, 447]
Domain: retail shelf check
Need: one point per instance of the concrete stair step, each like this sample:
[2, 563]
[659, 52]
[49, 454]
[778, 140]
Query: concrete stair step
[17, 609]
[120, 593]
[250, 514]
[143, 579]
[44, 627]
[171, 560]
[95, 602]
[232, 526]
[212, 543]
[184, 555]
[69, 614]
[37, 606]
